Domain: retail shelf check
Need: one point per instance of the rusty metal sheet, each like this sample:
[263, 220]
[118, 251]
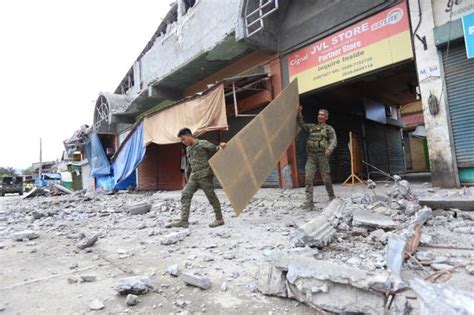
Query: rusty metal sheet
[244, 165]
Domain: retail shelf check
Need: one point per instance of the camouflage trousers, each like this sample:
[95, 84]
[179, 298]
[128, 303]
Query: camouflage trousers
[191, 187]
[315, 162]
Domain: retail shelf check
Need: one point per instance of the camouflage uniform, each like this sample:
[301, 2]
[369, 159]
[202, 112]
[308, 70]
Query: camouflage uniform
[321, 137]
[199, 175]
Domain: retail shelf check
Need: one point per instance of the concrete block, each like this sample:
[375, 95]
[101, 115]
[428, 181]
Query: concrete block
[26, 235]
[465, 203]
[139, 208]
[196, 280]
[366, 218]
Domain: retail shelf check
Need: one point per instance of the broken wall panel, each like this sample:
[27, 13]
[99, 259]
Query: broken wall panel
[251, 155]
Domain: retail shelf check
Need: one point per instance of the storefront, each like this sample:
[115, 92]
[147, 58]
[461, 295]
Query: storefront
[362, 74]
[458, 68]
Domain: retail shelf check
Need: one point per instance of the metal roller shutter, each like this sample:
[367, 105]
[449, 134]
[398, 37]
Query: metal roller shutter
[459, 76]
[396, 159]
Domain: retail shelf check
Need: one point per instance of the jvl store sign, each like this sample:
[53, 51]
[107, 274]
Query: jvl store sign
[376, 42]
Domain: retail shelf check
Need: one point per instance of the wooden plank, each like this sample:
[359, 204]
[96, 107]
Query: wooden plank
[244, 165]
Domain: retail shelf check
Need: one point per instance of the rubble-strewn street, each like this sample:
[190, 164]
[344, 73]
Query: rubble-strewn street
[77, 253]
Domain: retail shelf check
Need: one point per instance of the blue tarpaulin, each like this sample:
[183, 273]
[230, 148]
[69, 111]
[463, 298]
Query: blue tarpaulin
[129, 157]
[100, 165]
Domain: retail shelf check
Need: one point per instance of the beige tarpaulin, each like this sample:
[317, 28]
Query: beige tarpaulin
[243, 166]
[200, 114]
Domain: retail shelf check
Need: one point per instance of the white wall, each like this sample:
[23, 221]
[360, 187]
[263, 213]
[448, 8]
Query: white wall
[442, 159]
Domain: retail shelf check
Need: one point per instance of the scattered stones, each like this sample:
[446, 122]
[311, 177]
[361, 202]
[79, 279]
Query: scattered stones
[175, 237]
[197, 280]
[71, 280]
[223, 287]
[173, 270]
[96, 305]
[378, 236]
[132, 300]
[134, 285]
[88, 278]
[139, 208]
[26, 235]
[87, 241]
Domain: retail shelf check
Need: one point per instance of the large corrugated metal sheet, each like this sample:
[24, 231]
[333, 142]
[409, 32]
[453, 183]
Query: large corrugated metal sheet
[253, 153]
[459, 75]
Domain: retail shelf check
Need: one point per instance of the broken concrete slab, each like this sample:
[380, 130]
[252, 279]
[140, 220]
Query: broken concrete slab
[436, 299]
[370, 219]
[25, 235]
[87, 241]
[197, 280]
[175, 237]
[272, 280]
[465, 203]
[327, 286]
[134, 285]
[320, 231]
[139, 208]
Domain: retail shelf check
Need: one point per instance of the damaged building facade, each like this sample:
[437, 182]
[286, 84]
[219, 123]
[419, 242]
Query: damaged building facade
[358, 60]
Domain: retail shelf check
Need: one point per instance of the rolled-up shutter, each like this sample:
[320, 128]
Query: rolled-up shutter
[459, 76]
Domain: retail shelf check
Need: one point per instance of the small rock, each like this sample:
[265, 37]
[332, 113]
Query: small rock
[88, 278]
[229, 256]
[173, 270]
[378, 236]
[180, 303]
[87, 241]
[72, 280]
[175, 237]
[131, 300]
[25, 236]
[139, 208]
[96, 305]
[197, 280]
[135, 285]
[224, 286]
[470, 269]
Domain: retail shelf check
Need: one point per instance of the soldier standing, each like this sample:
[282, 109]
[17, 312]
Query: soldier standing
[321, 143]
[199, 175]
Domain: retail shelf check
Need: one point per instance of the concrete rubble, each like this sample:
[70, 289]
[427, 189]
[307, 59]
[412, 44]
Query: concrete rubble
[175, 237]
[358, 254]
[139, 208]
[134, 285]
[440, 300]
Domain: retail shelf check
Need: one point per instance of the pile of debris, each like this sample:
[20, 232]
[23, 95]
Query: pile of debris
[390, 223]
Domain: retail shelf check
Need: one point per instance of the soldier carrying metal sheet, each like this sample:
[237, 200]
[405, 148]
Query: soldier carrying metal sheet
[321, 143]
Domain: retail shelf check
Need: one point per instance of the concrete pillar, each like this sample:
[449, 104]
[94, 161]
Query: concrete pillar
[440, 143]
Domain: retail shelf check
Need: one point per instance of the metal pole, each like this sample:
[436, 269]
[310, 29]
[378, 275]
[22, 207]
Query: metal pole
[41, 159]
[236, 109]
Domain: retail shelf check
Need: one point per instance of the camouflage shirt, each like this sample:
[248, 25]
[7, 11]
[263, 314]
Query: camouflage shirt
[321, 136]
[198, 155]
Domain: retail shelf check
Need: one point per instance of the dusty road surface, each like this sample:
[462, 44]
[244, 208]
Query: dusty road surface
[43, 271]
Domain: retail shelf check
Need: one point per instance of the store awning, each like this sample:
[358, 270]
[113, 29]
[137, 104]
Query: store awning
[200, 113]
